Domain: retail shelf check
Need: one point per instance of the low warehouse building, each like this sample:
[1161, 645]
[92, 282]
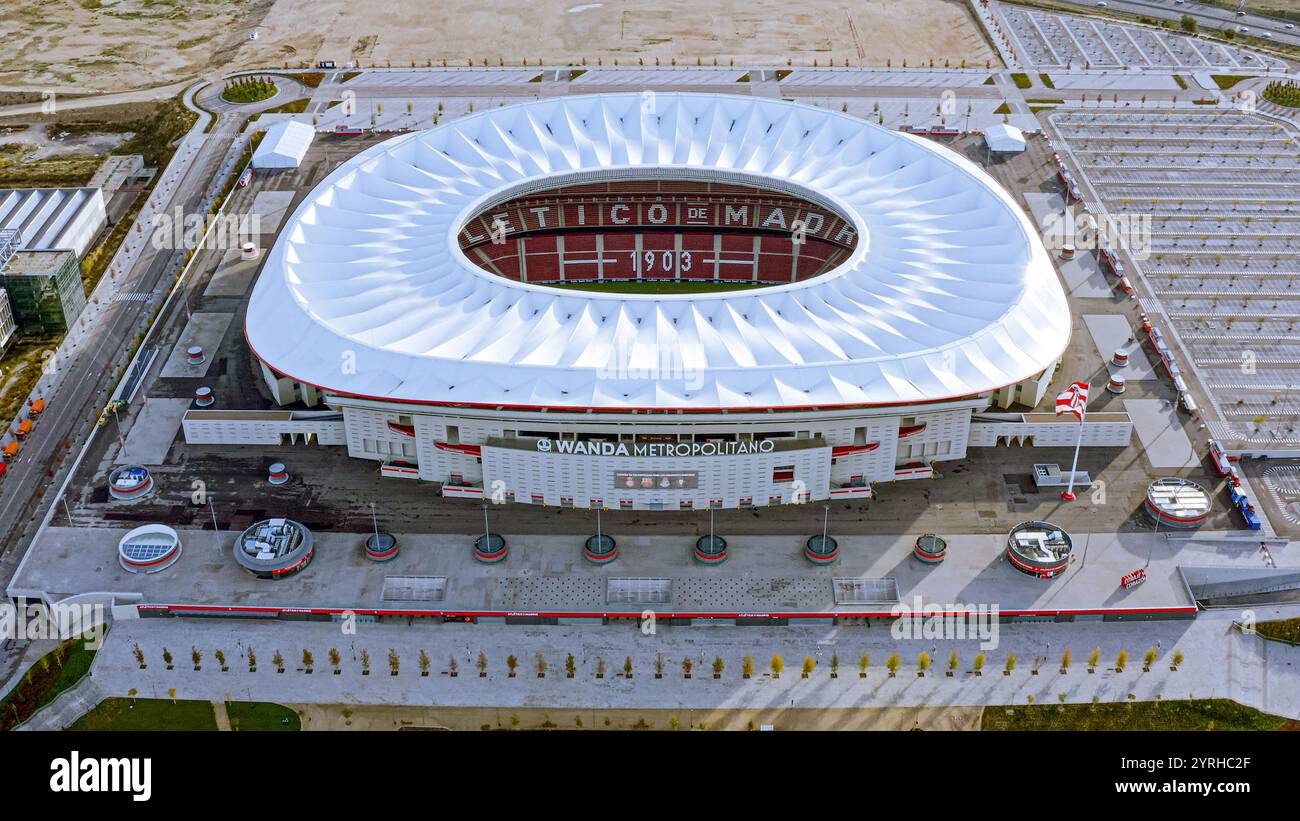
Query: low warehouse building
[53, 219]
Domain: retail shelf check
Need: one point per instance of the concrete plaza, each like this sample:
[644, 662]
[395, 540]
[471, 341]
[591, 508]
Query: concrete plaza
[1219, 662]
[765, 574]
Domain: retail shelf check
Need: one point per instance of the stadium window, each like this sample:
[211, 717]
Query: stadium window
[784, 473]
[453, 434]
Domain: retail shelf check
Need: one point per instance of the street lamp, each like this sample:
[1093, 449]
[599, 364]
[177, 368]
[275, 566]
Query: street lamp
[216, 533]
[117, 423]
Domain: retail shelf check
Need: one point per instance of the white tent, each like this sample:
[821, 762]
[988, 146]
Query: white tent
[284, 145]
[1003, 137]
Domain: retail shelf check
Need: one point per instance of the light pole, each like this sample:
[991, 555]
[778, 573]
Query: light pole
[117, 423]
[1154, 537]
[216, 534]
[1068, 495]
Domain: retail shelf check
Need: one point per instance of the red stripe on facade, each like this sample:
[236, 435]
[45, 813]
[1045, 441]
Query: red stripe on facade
[198, 608]
[464, 450]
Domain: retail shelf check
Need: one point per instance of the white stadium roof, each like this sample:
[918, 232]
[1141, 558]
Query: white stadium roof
[948, 293]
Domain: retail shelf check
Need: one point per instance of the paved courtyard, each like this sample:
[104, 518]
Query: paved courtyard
[1218, 662]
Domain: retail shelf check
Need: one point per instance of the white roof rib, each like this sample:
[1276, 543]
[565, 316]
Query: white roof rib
[51, 218]
[949, 292]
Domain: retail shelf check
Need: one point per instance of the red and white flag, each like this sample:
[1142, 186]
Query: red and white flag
[1073, 399]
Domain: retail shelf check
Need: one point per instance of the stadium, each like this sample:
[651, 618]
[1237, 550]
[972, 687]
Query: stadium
[663, 302]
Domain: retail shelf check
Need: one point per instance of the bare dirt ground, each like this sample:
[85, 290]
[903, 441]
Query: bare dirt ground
[115, 45]
[69, 46]
[37, 143]
[368, 717]
[560, 31]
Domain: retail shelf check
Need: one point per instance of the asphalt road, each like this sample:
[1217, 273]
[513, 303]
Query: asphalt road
[71, 409]
[74, 405]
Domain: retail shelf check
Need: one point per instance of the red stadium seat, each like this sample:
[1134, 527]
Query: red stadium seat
[619, 251]
[658, 257]
[756, 234]
[697, 257]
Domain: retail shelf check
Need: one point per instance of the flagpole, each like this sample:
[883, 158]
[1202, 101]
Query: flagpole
[1068, 495]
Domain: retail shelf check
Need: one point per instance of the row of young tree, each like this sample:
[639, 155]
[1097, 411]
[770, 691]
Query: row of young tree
[500, 62]
[777, 664]
[1283, 93]
[248, 89]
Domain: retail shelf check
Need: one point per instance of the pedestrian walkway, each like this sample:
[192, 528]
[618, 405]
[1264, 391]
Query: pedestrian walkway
[63, 712]
[220, 714]
[1219, 662]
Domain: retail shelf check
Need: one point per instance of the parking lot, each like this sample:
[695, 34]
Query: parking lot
[1219, 188]
[1046, 40]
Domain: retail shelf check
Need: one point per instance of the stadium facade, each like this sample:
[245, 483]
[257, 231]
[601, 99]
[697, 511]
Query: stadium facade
[661, 302]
